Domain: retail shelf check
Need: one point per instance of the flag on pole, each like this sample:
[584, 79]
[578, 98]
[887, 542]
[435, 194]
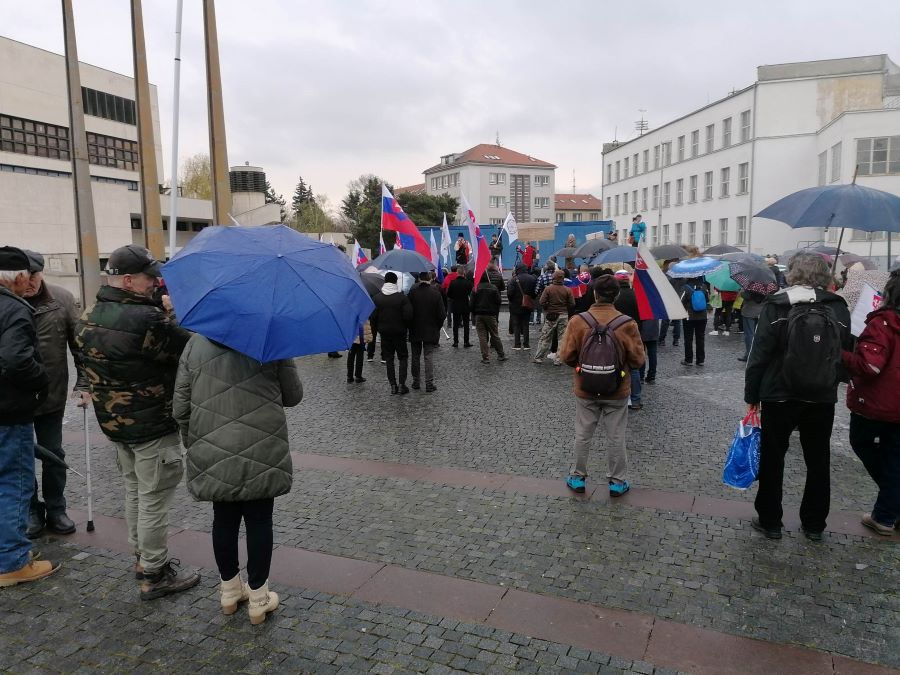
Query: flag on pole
[393, 218]
[359, 256]
[445, 241]
[436, 259]
[656, 299]
[580, 285]
[473, 226]
[381, 246]
[511, 227]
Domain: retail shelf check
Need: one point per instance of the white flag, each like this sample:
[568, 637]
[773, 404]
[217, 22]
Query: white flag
[435, 259]
[511, 227]
[471, 222]
[869, 301]
[445, 241]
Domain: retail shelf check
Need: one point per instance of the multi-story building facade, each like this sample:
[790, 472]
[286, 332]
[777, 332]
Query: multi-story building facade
[36, 201]
[699, 179]
[496, 180]
[577, 208]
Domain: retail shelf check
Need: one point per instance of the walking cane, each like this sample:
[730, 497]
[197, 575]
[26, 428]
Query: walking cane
[87, 466]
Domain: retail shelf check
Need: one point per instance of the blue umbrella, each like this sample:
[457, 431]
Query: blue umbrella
[694, 267]
[268, 292]
[626, 254]
[845, 206]
[401, 260]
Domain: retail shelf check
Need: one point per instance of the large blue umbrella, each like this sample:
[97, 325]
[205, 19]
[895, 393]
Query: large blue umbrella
[627, 254]
[268, 292]
[694, 267]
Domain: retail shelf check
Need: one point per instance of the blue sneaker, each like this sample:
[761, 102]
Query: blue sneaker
[618, 489]
[575, 482]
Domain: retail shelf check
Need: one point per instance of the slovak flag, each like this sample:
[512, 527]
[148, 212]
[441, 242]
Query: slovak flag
[656, 299]
[359, 255]
[381, 246]
[579, 285]
[480, 249]
[394, 219]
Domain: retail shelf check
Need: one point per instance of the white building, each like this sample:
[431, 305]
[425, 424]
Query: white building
[699, 179]
[496, 180]
[36, 200]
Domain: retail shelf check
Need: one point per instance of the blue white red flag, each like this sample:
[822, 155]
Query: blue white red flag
[656, 299]
[480, 250]
[359, 256]
[381, 247]
[436, 259]
[471, 222]
[394, 219]
[580, 285]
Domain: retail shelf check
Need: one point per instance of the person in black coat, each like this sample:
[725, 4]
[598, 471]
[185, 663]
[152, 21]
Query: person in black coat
[520, 286]
[458, 293]
[393, 314]
[425, 333]
[486, 308]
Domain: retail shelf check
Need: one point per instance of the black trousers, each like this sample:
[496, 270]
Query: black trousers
[395, 345]
[48, 430]
[723, 315]
[461, 319]
[355, 360]
[877, 444]
[519, 324]
[257, 516]
[814, 421]
[694, 331]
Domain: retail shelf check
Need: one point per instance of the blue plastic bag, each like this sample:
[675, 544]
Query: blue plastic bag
[742, 463]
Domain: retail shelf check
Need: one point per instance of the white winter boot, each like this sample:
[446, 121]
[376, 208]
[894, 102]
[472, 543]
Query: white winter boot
[232, 592]
[262, 601]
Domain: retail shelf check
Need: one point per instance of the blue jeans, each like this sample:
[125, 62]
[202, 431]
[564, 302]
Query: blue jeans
[650, 364]
[635, 386]
[16, 488]
[749, 332]
[664, 330]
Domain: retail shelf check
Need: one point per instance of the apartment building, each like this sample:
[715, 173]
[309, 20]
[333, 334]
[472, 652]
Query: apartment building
[700, 178]
[577, 208]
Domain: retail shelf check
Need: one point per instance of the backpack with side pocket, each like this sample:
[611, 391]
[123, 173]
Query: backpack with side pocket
[812, 355]
[698, 299]
[601, 366]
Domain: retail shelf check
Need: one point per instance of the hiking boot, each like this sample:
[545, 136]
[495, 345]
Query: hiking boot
[231, 593]
[575, 483]
[874, 525]
[167, 580]
[35, 523]
[618, 489]
[32, 571]
[812, 535]
[262, 601]
[60, 523]
[771, 533]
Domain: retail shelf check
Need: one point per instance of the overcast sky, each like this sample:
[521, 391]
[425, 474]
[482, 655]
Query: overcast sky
[330, 90]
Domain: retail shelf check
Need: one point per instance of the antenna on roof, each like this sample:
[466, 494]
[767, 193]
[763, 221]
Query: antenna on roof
[641, 125]
[498, 138]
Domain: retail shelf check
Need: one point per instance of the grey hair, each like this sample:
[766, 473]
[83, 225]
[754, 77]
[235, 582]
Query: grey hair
[11, 275]
[809, 269]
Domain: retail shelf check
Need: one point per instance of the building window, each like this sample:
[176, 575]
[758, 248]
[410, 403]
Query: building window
[878, 156]
[624, 203]
[108, 106]
[113, 152]
[608, 205]
[576, 217]
[726, 132]
[665, 234]
[655, 156]
[741, 231]
[707, 185]
[497, 179]
[692, 232]
[823, 167]
[723, 230]
[695, 143]
[434, 183]
[654, 234]
[644, 199]
[617, 204]
[646, 160]
[667, 153]
[707, 233]
[542, 220]
[710, 138]
[545, 180]
[836, 162]
[634, 205]
[726, 182]
[681, 148]
[135, 223]
[677, 233]
[692, 189]
[745, 126]
[27, 137]
[497, 221]
[625, 167]
[635, 164]
[559, 217]
[594, 215]
[655, 197]
[539, 202]
[667, 193]
[679, 192]
[445, 181]
[499, 202]
[618, 170]
[609, 173]
[743, 178]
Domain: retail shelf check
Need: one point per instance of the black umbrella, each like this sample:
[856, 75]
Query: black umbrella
[743, 257]
[42, 453]
[669, 252]
[566, 252]
[592, 247]
[372, 282]
[719, 249]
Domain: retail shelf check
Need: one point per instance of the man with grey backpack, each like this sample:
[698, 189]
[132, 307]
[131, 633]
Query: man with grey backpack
[603, 345]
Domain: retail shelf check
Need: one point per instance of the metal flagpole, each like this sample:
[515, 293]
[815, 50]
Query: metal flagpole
[173, 203]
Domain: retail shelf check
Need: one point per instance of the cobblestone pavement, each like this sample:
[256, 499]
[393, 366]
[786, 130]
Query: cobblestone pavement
[841, 596]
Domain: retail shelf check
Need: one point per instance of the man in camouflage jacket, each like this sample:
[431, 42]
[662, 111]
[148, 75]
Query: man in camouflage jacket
[130, 346]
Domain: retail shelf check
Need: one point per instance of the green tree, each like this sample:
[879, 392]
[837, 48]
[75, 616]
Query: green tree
[196, 177]
[361, 211]
[312, 216]
[302, 195]
[428, 210]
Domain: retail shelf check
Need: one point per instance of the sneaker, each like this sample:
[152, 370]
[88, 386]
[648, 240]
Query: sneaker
[166, 581]
[383, 361]
[552, 356]
[650, 380]
[557, 362]
[31, 571]
[874, 525]
[575, 483]
[771, 533]
[618, 489]
[537, 360]
[726, 333]
[636, 407]
[370, 359]
[700, 363]
[517, 349]
[713, 332]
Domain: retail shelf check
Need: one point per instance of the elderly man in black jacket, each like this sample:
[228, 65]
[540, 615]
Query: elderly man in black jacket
[23, 386]
[486, 308]
[425, 333]
[393, 314]
[459, 292]
[55, 318]
[520, 287]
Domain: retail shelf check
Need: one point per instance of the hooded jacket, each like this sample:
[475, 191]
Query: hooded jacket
[874, 367]
[23, 380]
[764, 379]
[393, 313]
[557, 298]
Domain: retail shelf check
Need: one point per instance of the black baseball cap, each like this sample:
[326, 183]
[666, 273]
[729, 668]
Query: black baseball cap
[132, 259]
[13, 259]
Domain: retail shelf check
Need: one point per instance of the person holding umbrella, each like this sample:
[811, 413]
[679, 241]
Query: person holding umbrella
[393, 314]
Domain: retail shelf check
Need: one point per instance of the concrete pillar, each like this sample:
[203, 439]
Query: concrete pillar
[218, 149]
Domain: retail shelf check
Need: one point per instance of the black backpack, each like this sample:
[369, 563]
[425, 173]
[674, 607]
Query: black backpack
[813, 351]
[600, 365]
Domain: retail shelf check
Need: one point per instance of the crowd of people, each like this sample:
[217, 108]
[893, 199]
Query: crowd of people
[172, 402]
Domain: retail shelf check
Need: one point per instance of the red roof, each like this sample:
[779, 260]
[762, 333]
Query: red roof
[576, 202]
[418, 188]
[491, 154]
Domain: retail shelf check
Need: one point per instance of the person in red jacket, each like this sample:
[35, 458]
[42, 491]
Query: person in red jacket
[872, 397]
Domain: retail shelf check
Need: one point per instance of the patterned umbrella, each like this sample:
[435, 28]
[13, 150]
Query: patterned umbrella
[721, 279]
[754, 277]
[694, 267]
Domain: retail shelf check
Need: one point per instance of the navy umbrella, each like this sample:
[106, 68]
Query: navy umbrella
[402, 260]
[620, 254]
[268, 292]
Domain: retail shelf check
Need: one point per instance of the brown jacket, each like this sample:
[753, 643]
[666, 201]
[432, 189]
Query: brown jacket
[628, 337]
[556, 299]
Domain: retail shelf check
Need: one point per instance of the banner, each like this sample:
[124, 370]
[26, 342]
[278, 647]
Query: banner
[869, 301]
